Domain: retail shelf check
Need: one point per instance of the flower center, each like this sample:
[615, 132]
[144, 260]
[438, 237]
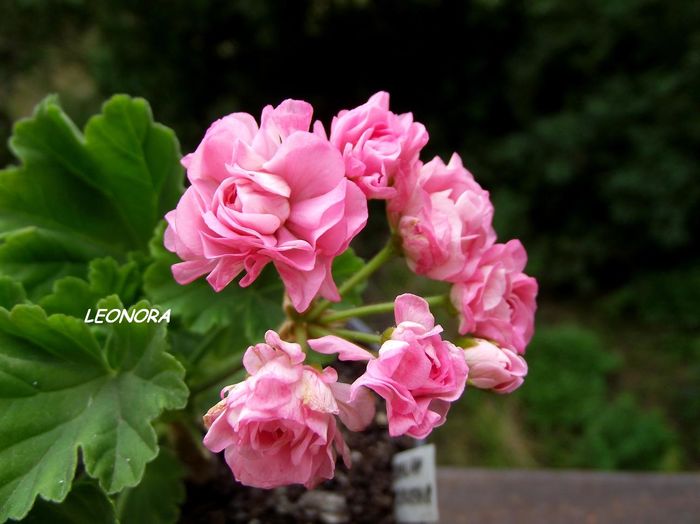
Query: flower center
[252, 207]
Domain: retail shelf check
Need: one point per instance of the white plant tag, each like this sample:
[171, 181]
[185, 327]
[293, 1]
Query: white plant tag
[415, 487]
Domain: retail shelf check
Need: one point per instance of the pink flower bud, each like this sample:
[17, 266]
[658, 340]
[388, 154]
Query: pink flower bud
[491, 367]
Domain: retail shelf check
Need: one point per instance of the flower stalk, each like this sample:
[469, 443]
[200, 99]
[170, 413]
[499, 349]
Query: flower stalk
[357, 336]
[213, 380]
[300, 335]
[373, 309]
[384, 255]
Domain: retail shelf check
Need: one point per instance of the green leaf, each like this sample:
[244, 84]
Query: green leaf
[62, 390]
[75, 197]
[74, 296]
[157, 499]
[11, 292]
[250, 311]
[138, 160]
[86, 502]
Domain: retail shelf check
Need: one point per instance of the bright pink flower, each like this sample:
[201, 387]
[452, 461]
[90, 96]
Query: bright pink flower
[498, 301]
[490, 367]
[274, 193]
[278, 427]
[416, 372]
[376, 144]
[444, 218]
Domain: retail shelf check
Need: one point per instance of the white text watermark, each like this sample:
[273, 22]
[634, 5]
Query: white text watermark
[117, 316]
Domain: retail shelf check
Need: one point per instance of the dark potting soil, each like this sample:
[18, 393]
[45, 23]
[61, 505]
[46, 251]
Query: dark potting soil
[361, 494]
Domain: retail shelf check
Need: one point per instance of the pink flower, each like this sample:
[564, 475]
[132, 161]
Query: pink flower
[444, 219]
[417, 373]
[490, 367]
[278, 427]
[497, 301]
[376, 144]
[274, 193]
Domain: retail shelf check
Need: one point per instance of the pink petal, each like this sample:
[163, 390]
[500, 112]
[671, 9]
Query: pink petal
[356, 413]
[330, 345]
[310, 165]
[408, 307]
[186, 272]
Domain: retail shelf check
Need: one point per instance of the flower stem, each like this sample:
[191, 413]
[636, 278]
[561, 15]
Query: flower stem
[362, 311]
[363, 274]
[349, 334]
[204, 345]
[373, 309]
[207, 383]
[437, 300]
[300, 335]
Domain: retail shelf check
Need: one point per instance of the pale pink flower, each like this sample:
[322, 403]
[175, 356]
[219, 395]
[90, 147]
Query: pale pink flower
[278, 427]
[491, 367]
[444, 219]
[376, 144]
[417, 373]
[274, 193]
[498, 301]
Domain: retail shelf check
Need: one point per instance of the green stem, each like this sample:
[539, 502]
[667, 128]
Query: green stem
[207, 383]
[349, 334]
[300, 335]
[362, 311]
[363, 274]
[201, 349]
[373, 309]
[318, 331]
[437, 300]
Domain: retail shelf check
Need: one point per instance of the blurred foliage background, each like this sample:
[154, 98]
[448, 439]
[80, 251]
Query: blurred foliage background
[581, 118]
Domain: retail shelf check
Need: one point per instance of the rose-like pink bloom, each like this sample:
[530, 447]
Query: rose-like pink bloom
[278, 427]
[498, 301]
[274, 193]
[376, 144]
[417, 373]
[490, 367]
[444, 219]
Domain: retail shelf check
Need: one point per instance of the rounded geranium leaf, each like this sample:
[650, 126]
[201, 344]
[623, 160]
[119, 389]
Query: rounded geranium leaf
[62, 391]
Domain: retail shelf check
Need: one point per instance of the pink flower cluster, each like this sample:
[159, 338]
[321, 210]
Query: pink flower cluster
[444, 219]
[291, 194]
[278, 426]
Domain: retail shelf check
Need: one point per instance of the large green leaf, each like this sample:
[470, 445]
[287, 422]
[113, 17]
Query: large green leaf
[75, 197]
[74, 296]
[86, 502]
[139, 163]
[65, 387]
[157, 498]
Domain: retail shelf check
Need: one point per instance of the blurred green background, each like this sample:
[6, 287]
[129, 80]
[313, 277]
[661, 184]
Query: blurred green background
[582, 119]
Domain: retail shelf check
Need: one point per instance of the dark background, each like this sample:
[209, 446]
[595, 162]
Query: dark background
[582, 118]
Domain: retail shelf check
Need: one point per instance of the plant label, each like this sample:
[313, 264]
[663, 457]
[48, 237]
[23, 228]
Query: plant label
[415, 487]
